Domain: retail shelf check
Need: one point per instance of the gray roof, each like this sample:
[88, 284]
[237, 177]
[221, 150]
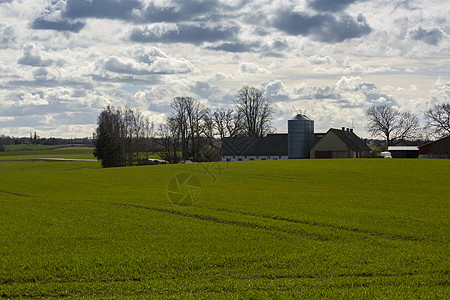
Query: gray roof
[301, 117]
[271, 145]
[351, 139]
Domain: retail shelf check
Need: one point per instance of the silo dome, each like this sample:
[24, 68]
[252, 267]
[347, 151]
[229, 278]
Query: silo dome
[300, 136]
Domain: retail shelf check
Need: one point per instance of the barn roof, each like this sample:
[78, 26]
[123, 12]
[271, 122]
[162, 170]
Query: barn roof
[351, 139]
[271, 145]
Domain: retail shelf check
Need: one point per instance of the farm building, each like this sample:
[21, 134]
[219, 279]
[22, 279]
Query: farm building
[297, 143]
[404, 151]
[436, 149]
[338, 143]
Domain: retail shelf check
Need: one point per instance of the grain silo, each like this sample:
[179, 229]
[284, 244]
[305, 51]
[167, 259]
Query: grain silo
[300, 136]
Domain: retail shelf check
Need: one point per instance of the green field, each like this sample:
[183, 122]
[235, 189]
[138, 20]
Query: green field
[268, 229]
[32, 147]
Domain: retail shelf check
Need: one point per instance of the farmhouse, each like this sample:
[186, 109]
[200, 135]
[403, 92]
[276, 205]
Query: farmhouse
[299, 142]
[436, 149]
[340, 144]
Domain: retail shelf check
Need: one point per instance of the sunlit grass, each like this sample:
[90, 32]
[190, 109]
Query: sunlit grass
[291, 229]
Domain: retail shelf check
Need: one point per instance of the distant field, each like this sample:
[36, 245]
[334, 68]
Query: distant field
[24, 147]
[66, 152]
[268, 229]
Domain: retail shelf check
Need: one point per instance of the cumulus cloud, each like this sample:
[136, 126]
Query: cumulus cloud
[7, 36]
[179, 11]
[322, 27]
[276, 90]
[51, 19]
[430, 36]
[183, 33]
[32, 57]
[331, 5]
[102, 9]
[59, 25]
[145, 61]
[250, 68]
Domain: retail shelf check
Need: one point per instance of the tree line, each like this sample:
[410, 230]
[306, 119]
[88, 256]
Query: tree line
[396, 127]
[192, 131]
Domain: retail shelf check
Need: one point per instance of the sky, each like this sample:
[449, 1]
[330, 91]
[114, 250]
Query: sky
[62, 61]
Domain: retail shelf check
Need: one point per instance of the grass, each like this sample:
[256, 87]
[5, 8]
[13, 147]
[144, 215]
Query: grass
[267, 229]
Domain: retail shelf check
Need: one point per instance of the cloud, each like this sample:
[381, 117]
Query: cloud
[322, 27]
[203, 89]
[276, 90]
[181, 11]
[32, 57]
[51, 19]
[236, 47]
[250, 68]
[140, 60]
[429, 36]
[102, 9]
[61, 25]
[183, 33]
[7, 36]
[330, 5]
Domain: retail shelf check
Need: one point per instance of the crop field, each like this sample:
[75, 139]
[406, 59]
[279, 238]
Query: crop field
[289, 229]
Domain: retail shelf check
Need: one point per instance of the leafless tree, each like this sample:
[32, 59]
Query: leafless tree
[169, 139]
[390, 123]
[190, 115]
[227, 123]
[255, 111]
[438, 119]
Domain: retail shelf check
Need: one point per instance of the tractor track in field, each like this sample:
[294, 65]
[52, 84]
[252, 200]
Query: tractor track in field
[217, 220]
[319, 224]
[270, 228]
[14, 194]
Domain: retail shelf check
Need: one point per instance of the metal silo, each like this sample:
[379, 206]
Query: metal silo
[300, 136]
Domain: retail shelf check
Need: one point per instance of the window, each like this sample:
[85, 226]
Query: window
[239, 159]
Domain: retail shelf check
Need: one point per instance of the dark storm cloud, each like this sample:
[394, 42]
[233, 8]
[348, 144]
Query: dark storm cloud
[235, 47]
[102, 9]
[61, 25]
[323, 27]
[330, 5]
[432, 37]
[184, 34]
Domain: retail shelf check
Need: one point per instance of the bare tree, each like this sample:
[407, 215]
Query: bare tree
[438, 118]
[169, 139]
[255, 111]
[390, 123]
[190, 115]
[227, 123]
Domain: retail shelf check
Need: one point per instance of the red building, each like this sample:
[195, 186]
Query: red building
[436, 149]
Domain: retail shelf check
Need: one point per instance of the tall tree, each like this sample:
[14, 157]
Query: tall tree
[255, 111]
[227, 123]
[169, 138]
[121, 136]
[390, 123]
[190, 115]
[438, 119]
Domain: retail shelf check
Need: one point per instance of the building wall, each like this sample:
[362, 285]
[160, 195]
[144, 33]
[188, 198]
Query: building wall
[331, 143]
[249, 158]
